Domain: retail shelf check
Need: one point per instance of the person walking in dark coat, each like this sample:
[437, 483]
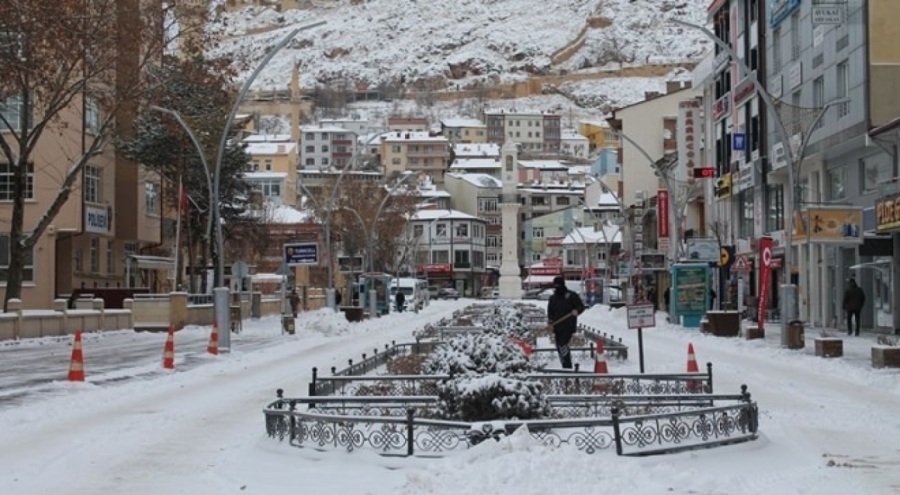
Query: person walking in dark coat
[294, 299]
[667, 298]
[854, 300]
[651, 296]
[400, 300]
[563, 309]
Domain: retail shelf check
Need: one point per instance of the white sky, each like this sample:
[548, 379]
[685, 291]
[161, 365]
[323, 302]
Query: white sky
[200, 430]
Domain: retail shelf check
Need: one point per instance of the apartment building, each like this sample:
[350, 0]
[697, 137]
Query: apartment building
[479, 195]
[599, 135]
[844, 68]
[315, 180]
[573, 144]
[449, 248]
[397, 123]
[464, 130]
[420, 152]
[274, 168]
[326, 147]
[534, 131]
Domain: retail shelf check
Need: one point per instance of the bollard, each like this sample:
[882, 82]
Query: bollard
[709, 374]
[410, 439]
[616, 434]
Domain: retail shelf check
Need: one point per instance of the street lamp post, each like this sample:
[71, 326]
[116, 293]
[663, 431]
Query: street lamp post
[221, 301]
[795, 162]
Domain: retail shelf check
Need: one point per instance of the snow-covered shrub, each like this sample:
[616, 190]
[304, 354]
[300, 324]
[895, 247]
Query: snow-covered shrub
[506, 318]
[490, 397]
[475, 354]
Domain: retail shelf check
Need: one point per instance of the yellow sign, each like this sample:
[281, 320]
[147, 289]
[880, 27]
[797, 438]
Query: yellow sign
[723, 186]
[887, 213]
[837, 225]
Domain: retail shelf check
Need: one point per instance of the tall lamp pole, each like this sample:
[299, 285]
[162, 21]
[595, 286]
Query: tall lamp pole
[221, 303]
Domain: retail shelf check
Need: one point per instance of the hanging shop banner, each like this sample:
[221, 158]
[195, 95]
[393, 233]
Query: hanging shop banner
[662, 214]
[887, 213]
[829, 225]
[765, 268]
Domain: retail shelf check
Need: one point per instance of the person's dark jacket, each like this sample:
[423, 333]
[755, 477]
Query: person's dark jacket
[854, 298]
[562, 302]
[399, 299]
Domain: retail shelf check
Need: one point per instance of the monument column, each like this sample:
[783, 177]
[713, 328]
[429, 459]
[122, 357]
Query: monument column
[510, 277]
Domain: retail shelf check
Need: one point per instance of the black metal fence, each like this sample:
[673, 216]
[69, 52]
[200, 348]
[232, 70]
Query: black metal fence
[407, 426]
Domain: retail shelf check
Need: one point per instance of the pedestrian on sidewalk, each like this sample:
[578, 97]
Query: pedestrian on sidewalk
[294, 299]
[563, 309]
[854, 300]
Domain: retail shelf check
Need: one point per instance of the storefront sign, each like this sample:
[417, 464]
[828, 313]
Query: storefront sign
[435, 268]
[554, 241]
[723, 187]
[688, 130]
[97, 220]
[795, 75]
[662, 213]
[746, 179]
[765, 268]
[829, 225]
[544, 270]
[705, 250]
[653, 262]
[781, 9]
[721, 107]
[745, 89]
[828, 14]
[301, 254]
[887, 213]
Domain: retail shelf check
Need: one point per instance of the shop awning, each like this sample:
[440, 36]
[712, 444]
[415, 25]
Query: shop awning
[539, 279]
[151, 262]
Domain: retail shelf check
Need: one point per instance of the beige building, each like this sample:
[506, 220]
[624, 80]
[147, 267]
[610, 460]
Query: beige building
[479, 195]
[418, 152]
[115, 209]
[274, 161]
[534, 131]
[464, 130]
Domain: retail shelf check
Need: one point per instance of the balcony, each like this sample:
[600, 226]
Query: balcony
[462, 265]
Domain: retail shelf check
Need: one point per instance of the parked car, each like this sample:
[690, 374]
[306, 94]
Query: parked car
[532, 293]
[433, 292]
[490, 292]
[448, 293]
[545, 294]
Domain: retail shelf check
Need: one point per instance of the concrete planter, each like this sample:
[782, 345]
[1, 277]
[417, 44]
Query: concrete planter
[829, 347]
[753, 332]
[884, 356]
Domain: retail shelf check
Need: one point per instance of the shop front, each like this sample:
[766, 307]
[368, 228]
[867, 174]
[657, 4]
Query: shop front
[887, 268]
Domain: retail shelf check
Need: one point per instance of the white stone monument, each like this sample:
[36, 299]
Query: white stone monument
[510, 278]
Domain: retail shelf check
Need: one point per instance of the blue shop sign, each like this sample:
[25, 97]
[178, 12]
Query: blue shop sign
[780, 9]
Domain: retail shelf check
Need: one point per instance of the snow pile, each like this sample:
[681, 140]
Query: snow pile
[324, 321]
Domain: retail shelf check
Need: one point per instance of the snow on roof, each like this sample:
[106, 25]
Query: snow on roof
[462, 123]
[558, 189]
[270, 148]
[581, 235]
[470, 163]
[481, 180]
[268, 138]
[288, 214]
[265, 175]
[570, 134]
[449, 214]
[476, 150]
[395, 137]
[323, 128]
[434, 193]
[543, 164]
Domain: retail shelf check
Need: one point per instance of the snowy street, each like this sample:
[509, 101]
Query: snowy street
[828, 426]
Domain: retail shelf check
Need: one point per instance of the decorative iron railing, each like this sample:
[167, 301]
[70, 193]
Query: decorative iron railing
[394, 425]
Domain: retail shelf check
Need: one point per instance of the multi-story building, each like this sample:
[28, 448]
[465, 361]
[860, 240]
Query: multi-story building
[573, 144]
[464, 130]
[449, 248]
[479, 195]
[314, 181]
[599, 135]
[326, 147]
[408, 124]
[419, 152]
[843, 69]
[112, 218]
[534, 131]
[274, 168]
[355, 123]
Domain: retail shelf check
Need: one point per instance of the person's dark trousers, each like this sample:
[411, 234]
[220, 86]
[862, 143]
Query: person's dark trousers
[850, 317]
[562, 348]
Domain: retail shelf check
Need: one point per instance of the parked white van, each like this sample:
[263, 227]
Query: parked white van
[414, 289]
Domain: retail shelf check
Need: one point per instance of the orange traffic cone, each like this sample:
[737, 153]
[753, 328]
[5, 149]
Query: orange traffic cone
[525, 346]
[692, 385]
[76, 367]
[169, 350]
[601, 386]
[213, 347]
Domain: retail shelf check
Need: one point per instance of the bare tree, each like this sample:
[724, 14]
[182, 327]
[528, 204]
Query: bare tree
[61, 59]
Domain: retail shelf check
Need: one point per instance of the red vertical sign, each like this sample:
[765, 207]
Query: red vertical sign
[765, 269]
[662, 213]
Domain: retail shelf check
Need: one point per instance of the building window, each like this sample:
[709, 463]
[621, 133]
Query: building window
[110, 257]
[775, 207]
[492, 241]
[487, 205]
[311, 161]
[492, 258]
[843, 86]
[462, 230]
[395, 148]
[745, 226]
[269, 188]
[11, 111]
[310, 136]
[461, 259]
[538, 201]
[777, 61]
[440, 257]
[562, 201]
[819, 98]
[151, 198]
[5, 253]
[79, 261]
[324, 148]
[310, 149]
[876, 169]
[418, 230]
[795, 36]
[92, 116]
[95, 254]
[92, 177]
[537, 232]
[477, 259]
[440, 230]
[837, 183]
[7, 182]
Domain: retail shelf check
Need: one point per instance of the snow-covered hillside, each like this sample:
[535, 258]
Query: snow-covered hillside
[436, 43]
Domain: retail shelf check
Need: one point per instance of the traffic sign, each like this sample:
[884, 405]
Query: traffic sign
[641, 316]
[740, 265]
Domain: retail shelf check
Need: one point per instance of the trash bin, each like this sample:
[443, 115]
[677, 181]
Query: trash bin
[795, 335]
[352, 313]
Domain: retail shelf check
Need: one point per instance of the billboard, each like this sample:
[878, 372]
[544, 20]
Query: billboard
[703, 250]
[306, 253]
[829, 225]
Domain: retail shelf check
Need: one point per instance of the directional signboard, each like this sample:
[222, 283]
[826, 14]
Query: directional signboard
[306, 253]
[641, 316]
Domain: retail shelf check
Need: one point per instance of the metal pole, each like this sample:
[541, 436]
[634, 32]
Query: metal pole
[217, 217]
[641, 347]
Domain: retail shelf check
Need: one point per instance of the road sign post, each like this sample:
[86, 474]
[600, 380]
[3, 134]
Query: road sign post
[639, 317]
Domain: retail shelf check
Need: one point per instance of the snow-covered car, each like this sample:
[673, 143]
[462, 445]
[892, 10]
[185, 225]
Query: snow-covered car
[545, 294]
[448, 293]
